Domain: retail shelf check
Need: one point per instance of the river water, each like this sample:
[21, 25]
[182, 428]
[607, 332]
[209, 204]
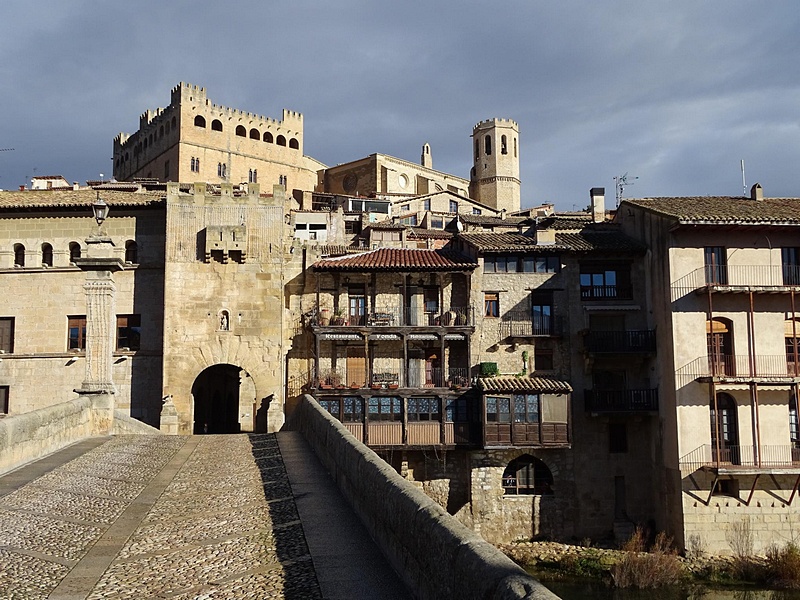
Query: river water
[579, 589]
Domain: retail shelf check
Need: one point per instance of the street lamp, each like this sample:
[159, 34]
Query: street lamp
[100, 210]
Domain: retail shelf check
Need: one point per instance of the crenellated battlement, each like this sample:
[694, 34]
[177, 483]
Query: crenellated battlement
[496, 122]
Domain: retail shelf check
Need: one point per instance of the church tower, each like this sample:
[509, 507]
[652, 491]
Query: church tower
[494, 179]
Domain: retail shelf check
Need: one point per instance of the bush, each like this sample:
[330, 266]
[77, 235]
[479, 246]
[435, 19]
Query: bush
[640, 569]
[783, 566]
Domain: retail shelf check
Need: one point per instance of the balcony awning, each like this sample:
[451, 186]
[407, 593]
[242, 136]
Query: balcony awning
[511, 383]
[422, 336]
[455, 336]
[611, 307]
[384, 336]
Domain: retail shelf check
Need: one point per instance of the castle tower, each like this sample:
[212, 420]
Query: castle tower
[494, 179]
[426, 160]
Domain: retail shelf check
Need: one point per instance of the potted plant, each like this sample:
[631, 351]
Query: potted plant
[324, 317]
[338, 317]
[461, 316]
[394, 386]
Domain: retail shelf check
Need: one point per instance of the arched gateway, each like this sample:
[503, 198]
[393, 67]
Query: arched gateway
[224, 400]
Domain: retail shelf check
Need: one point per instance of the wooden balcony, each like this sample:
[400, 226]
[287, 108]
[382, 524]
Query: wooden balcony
[621, 401]
[620, 342]
[387, 316]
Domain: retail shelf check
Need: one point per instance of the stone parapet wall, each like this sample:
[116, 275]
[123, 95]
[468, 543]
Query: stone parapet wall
[436, 556]
[32, 435]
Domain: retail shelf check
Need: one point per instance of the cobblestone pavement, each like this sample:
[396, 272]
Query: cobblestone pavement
[206, 517]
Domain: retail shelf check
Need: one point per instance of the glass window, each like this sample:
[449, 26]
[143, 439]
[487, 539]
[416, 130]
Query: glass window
[129, 332]
[353, 410]
[526, 408]
[498, 409]
[423, 409]
[426, 204]
[716, 264]
[453, 206]
[489, 264]
[3, 399]
[491, 301]
[511, 264]
[527, 475]
[385, 409]
[331, 405]
[456, 410]
[7, 334]
[76, 336]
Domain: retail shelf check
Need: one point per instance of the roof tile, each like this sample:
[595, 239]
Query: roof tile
[398, 259]
[512, 383]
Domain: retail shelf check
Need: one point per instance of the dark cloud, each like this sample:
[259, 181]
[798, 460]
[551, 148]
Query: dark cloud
[674, 93]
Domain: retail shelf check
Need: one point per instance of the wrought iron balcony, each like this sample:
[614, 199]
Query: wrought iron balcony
[606, 292]
[740, 367]
[621, 401]
[739, 278]
[521, 324]
[742, 458]
[621, 342]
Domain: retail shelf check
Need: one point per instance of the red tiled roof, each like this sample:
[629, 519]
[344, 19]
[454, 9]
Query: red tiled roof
[716, 210]
[70, 199]
[398, 259]
[511, 383]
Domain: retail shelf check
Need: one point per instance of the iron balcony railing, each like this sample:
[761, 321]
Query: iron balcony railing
[606, 292]
[392, 316]
[521, 323]
[741, 457]
[392, 376]
[621, 341]
[740, 366]
[629, 400]
[738, 276]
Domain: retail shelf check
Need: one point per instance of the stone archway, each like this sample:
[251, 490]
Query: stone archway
[224, 400]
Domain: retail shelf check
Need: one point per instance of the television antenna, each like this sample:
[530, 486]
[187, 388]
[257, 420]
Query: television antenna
[620, 183]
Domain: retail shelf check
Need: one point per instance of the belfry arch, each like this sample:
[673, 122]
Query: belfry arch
[224, 400]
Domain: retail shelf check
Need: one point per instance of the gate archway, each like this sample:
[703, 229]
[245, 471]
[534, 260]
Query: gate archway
[224, 400]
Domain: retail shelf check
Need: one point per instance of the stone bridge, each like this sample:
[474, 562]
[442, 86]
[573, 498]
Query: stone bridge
[301, 514]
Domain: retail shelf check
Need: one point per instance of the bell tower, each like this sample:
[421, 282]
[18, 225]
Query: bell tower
[494, 179]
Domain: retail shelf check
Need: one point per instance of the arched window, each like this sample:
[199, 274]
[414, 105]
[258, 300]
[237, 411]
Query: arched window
[255, 175]
[192, 165]
[515, 147]
[19, 255]
[477, 149]
[724, 429]
[250, 176]
[199, 121]
[216, 125]
[47, 255]
[527, 475]
[74, 251]
[224, 170]
[503, 145]
[241, 131]
[281, 141]
[719, 340]
[131, 252]
[268, 137]
[254, 134]
[488, 143]
[293, 143]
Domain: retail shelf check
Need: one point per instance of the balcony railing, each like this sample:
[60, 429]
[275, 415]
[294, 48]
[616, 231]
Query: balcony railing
[740, 367]
[606, 292]
[522, 323]
[391, 316]
[742, 457]
[738, 276]
[623, 401]
[621, 341]
[383, 377]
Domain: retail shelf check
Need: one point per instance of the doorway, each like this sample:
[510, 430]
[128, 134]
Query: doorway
[216, 396]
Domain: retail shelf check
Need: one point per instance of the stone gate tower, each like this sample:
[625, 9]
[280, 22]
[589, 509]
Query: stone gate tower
[494, 179]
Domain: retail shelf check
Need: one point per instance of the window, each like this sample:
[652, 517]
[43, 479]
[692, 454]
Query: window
[3, 399]
[426, 204]
[385, 409]
[129, 332]
[74, 251]
[332, 405]
[268, 137]
[543, 360]
[195, 165]
[487, 142]
[405, 207]
[526, 408]
[453, 206]
[352, 227]
[477, 149]
[76, 333]
[476, 211]
[601, 282]
[7, 335]
[199, 121]
[423, 409]
[437, 223]
[410, 221]
[491, 303]
[527, 475]
[617, 438]
[503, 145]
[542, 313]
[241, 131]
[294, 144]
[216, 125]
[790, 258]
[222, 170]
[47, 255]
[19, 255]
[794, 430]
[131, 252]
[255, 134]
[353, 410]
[716, 264]
[280, 140]
[501, 263]
[456, 410]
[498, 410]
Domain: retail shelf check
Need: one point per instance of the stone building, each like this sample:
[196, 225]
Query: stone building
[723, 274]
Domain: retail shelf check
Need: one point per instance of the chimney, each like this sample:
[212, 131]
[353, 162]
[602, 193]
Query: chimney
[76, 186]
[757, 192]
[503, 214]
[598, 196]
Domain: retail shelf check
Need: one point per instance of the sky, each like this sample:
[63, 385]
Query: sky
[673, 94]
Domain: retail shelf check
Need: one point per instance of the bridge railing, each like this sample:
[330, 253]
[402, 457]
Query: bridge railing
[433, 552]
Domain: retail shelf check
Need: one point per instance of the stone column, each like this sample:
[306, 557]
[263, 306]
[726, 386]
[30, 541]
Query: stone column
[101, 328]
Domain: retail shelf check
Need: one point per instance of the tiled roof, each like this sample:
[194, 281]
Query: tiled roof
[488, 220]
[566, 222]
[724, 209]
[388, 224]
[511, 383]
[508, 242]
[437, 234]
[69, 198]
[589, 240]
[337, 249]
[398, 259]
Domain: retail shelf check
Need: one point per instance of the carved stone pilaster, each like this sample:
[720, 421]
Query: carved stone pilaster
[100, 332]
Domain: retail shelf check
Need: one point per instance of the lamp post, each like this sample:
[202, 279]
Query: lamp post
[100, 264]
